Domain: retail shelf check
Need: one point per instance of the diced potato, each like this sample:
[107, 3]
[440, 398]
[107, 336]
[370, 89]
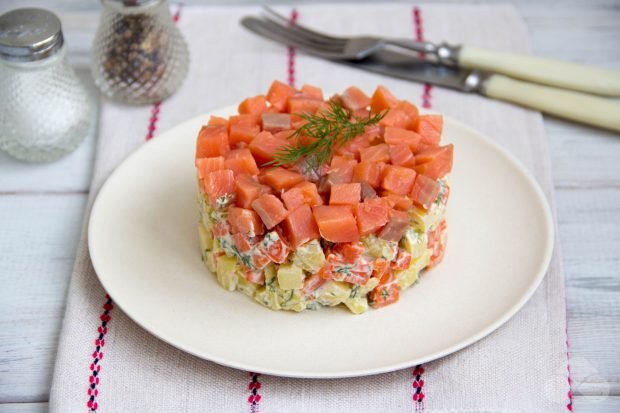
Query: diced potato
[206, 238]
[268, 297]
[291, 300]
[246, 287]
[357, 305]
[380, 248]
[407, 277]
[227, 272]
[209, 257]
[290, 277]
[426, 221]
[310, 256]
[414, 242]
[368, 287]
[333, 293]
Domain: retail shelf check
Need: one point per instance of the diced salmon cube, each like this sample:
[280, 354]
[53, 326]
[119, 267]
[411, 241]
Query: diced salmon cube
[396, 226]
[265, 146]
[303, 193]
[280, 178]
[354, 99]
[242, 128]
[376, 153]
[219, 184]
[345, 194]
[298, 106]
[411, 110]
[368, 192]
[400, 202]
[354, 146]
[395, 117]
[255, 276]
[217, 121]
[276, 122]
[311, 92]
[270, 209]
[278, 95]
[398, 179]
[241, 162]
[336, 223]
[430, 128]
[401, 155]
[241, 242]
[212, 141]
[382, 99]
[312, 283]
[206, 165]
[293, 198]
[300, 226]
[247, 189]
[424, 192]
[397, 136]
[341, 169]
[370, 172]
[371, 216]
[245, 221]
[253, 106]
[435, 162]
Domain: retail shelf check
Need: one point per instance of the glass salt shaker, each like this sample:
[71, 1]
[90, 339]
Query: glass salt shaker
[139, 55]
[45, 112]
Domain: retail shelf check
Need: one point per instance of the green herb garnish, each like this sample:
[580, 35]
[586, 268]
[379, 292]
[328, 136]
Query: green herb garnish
[329, 129]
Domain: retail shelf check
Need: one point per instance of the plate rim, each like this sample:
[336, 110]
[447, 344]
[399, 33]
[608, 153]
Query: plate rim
[500, 321]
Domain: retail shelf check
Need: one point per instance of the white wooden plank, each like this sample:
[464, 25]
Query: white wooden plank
[37, 249]
[24, 408]
[69, 174]
[596, 404]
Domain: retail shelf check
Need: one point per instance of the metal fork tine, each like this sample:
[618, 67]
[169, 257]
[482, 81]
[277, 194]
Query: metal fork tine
[276, 34]
[289, 32]
[312, 34]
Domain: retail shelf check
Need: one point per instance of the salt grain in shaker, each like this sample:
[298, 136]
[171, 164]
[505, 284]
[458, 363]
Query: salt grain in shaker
[44, 110]
[139, 55]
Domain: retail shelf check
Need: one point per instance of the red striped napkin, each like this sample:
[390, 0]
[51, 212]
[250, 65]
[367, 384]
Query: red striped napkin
[107, 363]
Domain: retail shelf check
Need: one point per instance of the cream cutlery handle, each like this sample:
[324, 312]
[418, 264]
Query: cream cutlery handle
[546, 71]
[579, 107]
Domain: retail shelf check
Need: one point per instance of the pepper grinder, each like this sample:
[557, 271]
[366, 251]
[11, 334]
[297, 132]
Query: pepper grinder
[139, 55]
[45, 112]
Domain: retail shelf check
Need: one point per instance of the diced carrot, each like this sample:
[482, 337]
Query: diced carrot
[430, 128]
[397, 136]
[336, 223]
[221, 228]
[395, 117]
[402, 260]
[351, 251]
[396, 226]
[354, 99]
[278, 95]
[255, 276]
[435, 162]
[280, 178]
[253, 106]
[383, 295]
[241, 162]
[265, 146]
[398, 179]
[401, 155]
[300, 226]
[276, 122]
[217, 121]
[245, 221]
[312, 283]
[270, 210]
[341, 169]
[297, 106]
[376, 153]
[311, 92]
[206, 165]
[411, 110]
[212, 141]
[247, 189]
[424, 192]
[310, 193]
[370, 172]
[274, 246]
[241, 242]
[437, 243]
[345, 194]
[371, 215]
[382, 270]
[242, 128]
[339, 268]
[218, 185]
[400, 202]
[382, 99]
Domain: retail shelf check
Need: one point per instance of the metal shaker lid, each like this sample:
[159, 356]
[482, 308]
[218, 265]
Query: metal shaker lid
[27, 35]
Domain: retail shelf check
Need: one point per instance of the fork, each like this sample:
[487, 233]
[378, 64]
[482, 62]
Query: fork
[535, 69]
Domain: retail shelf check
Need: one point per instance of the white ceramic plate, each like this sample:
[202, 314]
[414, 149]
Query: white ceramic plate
[144, 246]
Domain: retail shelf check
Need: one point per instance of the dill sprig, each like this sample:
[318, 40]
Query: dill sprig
[328, 130]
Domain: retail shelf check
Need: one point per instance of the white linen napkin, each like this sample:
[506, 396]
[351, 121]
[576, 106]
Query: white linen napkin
[107, 363]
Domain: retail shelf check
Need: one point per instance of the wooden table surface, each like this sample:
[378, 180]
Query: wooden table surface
[41, 211]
